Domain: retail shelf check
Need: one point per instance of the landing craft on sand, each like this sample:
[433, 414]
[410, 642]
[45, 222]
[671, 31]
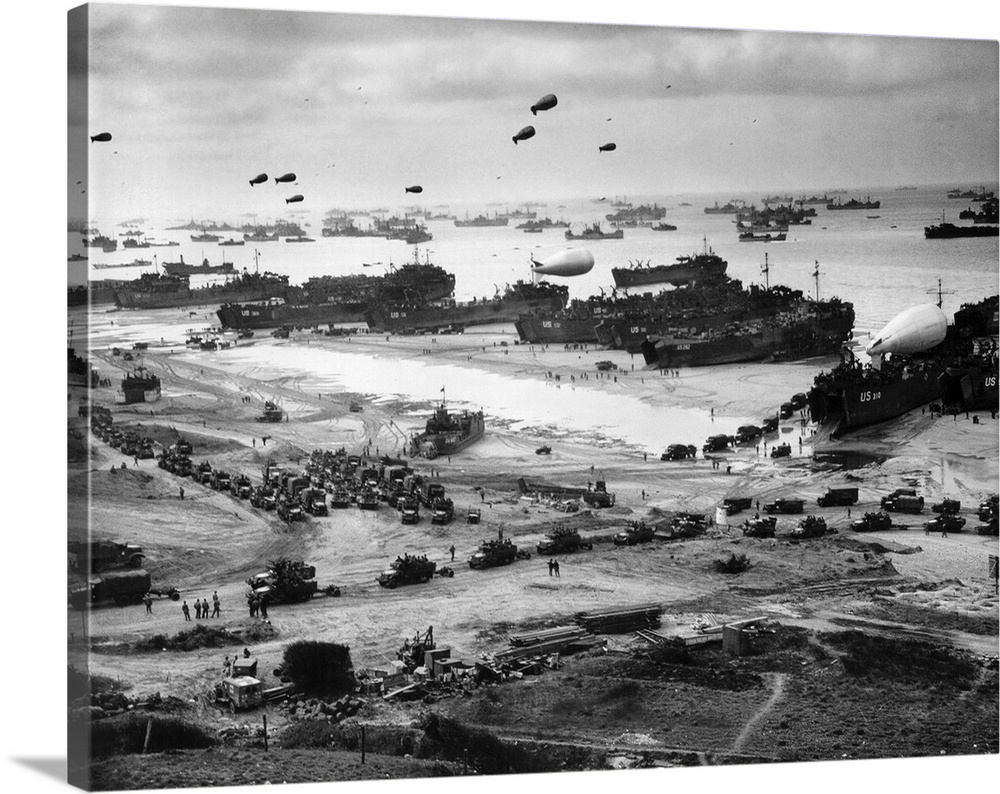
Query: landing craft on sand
[916, 359]
[568, 262]
[524, 134]
[258, 180]
[547, 102]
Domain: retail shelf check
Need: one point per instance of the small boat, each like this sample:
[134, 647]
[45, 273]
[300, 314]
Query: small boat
[231, 241]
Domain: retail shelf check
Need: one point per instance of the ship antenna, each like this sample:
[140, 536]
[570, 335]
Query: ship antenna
[816, 276]
[256, 262]
[766, 270]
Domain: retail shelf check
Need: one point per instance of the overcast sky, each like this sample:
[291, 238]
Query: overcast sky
[358, 106]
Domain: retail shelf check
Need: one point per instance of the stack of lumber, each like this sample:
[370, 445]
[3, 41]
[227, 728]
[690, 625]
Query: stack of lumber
[546, 641]
[622, 619]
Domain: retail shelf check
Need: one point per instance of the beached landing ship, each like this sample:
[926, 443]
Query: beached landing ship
[447, 433]
[927, 360]
[806, 328]
[517, 299]
[138, 387]
[155, 291]
[341, 299]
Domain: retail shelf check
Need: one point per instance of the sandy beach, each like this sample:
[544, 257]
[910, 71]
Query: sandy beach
[211, 542]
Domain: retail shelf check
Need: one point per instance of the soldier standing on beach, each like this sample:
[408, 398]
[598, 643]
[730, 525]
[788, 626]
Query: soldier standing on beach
[186, 610]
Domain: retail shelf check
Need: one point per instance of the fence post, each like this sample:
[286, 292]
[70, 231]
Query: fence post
[149, 730]
[362, 744]
[265, 733]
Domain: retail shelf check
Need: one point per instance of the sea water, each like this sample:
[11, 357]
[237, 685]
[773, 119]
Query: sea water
[881, 264]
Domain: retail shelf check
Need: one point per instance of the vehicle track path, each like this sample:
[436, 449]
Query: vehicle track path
[776, 694]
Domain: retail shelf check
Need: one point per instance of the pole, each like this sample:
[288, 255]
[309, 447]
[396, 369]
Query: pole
[362, 744]
[149, 730]
[265, 733]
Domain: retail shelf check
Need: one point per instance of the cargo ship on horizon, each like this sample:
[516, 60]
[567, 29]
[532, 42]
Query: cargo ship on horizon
[705, 266]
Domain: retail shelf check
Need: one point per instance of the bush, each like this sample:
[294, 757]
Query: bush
[125, 734]
[320, 668]
[488, 755]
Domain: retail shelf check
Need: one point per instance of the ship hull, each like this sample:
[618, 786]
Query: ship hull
[397, 320]
[174, 299]
[786, 342]
[261, 315]
[539, 330]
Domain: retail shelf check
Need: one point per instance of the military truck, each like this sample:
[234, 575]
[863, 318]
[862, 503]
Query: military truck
[239, 693]
[428, 492]
[443, 511]
[989, 508]
[811, 527]
[290, 510]
[496, 552]
[368, 498]
[475, 515]
[736, 504]
[285, 582]
[798, 401]
[786, 410]
[203, 474]
[122, 587]
[220, 480]
[838, 496]
[635, 532]
[241, 487]
[183, 446]
[903, 503]
[263, 497]
[760, 527]
[950, 506]
[988, 528]
[872, 522]
[599, 497]
[409, 510]
[105, 555]
[272, 413]
[313, 501]
[562, 539]
[717, 443]
[945, 522]
[340, 497]
[407, 570]
[679, 452]
[784, 506]
[769, 424]
[746, 434]
[781, 450]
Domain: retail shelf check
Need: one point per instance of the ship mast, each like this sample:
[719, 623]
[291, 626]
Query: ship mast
[765, 269]
[256, 262]
[940, 292]
[816, 276]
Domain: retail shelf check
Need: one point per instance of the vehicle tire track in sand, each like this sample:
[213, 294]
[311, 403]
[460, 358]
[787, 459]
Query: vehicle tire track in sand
[776, 695]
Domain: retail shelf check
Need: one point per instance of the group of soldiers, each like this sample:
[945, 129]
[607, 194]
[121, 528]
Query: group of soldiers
[201, 608]
[257, 604]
